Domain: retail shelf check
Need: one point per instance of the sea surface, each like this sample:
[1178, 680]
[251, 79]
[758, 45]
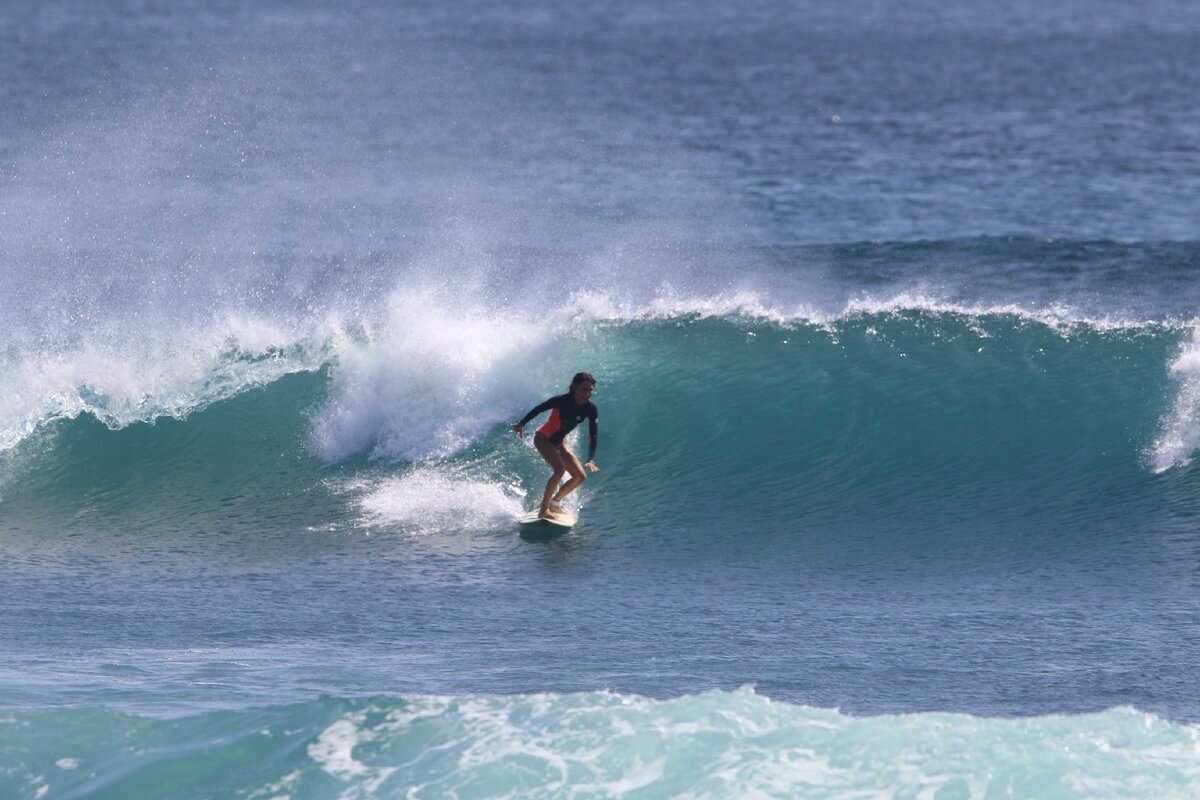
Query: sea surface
[895, 312]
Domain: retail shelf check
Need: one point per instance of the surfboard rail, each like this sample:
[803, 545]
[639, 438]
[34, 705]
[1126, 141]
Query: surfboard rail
[565, 520]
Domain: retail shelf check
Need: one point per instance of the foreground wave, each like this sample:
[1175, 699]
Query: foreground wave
[717, 744]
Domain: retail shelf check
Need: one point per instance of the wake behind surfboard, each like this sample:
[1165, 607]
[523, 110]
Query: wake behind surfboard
[562, 521]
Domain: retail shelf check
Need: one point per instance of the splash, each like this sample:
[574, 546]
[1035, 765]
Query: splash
[433, 375]
[1179, 437]
[435, 499]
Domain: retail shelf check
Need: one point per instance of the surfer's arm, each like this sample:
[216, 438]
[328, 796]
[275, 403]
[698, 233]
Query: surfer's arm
[538, 409]
[593, 427]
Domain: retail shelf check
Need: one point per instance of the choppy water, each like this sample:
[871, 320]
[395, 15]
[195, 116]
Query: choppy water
[602, 745]
[893, 308]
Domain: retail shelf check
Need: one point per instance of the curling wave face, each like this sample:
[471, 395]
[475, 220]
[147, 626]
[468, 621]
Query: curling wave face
[889, 407]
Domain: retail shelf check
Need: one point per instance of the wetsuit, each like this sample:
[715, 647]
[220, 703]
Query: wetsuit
[565, 415]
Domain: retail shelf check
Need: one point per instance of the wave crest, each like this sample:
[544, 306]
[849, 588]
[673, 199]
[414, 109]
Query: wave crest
[121, 380]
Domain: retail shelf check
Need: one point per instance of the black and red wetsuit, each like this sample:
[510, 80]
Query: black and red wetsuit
[565, 415]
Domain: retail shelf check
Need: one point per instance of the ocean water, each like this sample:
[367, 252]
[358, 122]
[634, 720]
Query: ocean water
[895, 311]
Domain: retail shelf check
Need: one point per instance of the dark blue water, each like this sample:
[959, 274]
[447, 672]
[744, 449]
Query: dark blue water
[893, 312]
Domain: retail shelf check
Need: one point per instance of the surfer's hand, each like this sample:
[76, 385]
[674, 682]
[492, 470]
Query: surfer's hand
[592, 466]
[519, 430]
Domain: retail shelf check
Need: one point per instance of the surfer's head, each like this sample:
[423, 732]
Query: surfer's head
[582, 386]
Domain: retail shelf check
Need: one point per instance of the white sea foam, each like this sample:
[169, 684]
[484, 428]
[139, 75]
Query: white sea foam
[1179, 431]
[436, 498]
[602, 744]
[334, 752]
[740, 744]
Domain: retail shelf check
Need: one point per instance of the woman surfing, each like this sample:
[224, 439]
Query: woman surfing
[567, 411]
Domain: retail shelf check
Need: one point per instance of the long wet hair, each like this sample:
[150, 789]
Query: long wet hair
[582, 377]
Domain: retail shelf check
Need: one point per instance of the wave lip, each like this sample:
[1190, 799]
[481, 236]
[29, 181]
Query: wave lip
[716, 744]
[766, 307]
[123, 381]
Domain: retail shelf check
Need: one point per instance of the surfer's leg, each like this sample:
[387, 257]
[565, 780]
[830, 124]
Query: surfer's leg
[554, 458]
[578, 476]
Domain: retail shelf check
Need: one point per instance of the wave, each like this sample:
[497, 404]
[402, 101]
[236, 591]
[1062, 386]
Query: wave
[717, 744]
[135, 351]
[889, 406]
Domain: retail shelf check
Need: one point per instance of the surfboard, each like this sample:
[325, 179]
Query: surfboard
[564, 521]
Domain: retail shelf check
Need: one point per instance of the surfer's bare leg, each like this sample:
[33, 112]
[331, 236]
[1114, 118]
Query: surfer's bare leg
[578, 476]
[554, 458]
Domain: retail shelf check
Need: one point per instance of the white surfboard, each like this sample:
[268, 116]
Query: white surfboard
[564, 520]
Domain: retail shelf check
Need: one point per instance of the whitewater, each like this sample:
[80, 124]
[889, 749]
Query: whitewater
[895, 315]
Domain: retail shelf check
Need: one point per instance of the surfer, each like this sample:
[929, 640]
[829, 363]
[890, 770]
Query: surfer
[567, 411]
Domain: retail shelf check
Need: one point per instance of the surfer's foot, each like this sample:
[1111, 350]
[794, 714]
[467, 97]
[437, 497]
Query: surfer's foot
[556, 506]
[549, 513]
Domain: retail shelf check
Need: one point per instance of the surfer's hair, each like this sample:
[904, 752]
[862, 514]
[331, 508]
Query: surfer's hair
[583, 377]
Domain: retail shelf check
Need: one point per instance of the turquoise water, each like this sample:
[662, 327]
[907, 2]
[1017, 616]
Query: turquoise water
[894, 313]
[918, 412]
[595, 745]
